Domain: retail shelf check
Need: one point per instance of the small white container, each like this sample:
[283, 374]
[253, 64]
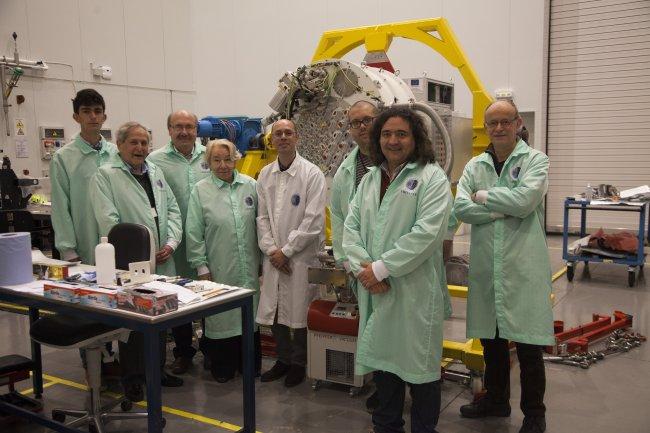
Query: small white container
[105, 262]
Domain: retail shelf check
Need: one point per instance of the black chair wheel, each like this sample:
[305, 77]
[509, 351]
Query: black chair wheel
[631, 276]
[163, 422]
[126, 405]
[58, 416]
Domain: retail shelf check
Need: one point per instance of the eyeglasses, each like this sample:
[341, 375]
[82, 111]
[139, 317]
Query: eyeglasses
[398, 134]
[287, 133]
[505, 123]
[179, 128]
[366, 121]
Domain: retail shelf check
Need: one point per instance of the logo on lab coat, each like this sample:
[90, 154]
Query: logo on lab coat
[295, 199]
[160, 184]
[410, 186]
[248, 201]
[514, 173]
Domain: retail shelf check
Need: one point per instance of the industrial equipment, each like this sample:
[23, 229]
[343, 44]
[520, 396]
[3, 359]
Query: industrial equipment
[332, 329]
[52, 139]
[14, 192]
[245, 132]
[317, 98]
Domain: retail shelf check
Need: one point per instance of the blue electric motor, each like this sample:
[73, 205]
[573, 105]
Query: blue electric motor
[245, 132]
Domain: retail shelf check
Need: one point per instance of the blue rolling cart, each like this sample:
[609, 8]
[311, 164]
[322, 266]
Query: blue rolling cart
[634, 262]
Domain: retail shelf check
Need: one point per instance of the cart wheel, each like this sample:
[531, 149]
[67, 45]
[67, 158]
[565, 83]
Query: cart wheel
[354, 391]
[569, 272]
[315, 384]
[58, 416]
[631, 275]
[163, 422]
[126, 405]
[92, 428]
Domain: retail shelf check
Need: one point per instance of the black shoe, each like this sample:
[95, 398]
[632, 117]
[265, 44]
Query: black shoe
[372, 402]
[181, 365]
[483, 408]
[222, 375]
[533, 424]
[134, 391]
[295, 376]
[278, 370]
[170, 381]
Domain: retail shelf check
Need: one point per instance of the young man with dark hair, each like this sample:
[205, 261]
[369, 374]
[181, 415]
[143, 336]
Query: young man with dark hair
[72, 167]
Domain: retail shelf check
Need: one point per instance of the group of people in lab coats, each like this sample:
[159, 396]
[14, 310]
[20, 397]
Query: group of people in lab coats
[391, 208]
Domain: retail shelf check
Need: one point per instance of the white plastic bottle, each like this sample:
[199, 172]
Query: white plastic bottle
[589, 192]
[105, 262]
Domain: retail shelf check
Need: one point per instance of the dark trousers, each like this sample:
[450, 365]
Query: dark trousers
[183, 341]
[226, 354]
[497, 374]
[132, 360]
[291, 350]
[425, 406]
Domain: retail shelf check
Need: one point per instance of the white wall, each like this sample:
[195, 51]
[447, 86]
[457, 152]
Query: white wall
[144, 41]
[237, 51]
[242, 47]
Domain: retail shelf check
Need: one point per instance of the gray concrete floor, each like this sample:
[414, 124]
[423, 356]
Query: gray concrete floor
[613, 395]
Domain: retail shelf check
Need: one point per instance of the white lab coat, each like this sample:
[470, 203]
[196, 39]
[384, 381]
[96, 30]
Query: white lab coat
[290, 216]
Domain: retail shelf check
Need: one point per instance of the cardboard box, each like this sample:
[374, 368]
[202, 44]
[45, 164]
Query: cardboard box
[151, 302]
[98, 297]
[63, 291]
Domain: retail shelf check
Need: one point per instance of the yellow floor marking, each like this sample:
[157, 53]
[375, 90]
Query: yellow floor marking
[170, 410]
[31, 390]
[558, 274]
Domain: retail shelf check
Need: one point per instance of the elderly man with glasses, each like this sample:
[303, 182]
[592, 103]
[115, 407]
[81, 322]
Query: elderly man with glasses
[501, 194]
[183, 163]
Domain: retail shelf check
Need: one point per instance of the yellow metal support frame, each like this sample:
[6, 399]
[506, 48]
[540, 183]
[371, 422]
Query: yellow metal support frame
[335, 44]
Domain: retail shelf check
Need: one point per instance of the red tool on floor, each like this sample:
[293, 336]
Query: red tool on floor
[577, 339]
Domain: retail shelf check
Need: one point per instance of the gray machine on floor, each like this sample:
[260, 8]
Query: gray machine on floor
[332, 329]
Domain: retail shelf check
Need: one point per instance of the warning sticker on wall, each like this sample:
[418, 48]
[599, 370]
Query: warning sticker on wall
[19, 127]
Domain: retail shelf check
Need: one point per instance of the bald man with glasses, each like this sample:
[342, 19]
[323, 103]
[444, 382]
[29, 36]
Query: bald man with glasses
[501, 194]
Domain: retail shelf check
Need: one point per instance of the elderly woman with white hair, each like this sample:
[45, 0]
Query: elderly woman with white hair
[221, 241]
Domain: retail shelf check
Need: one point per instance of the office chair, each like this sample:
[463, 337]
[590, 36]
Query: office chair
[133, 243]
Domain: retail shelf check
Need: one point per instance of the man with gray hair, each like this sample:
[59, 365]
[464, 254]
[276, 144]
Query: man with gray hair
[501, 194]
[182, 162]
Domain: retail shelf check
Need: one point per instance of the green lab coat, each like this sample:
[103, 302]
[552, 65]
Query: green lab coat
[343, 189]
[71, 170]
[400, 331]
[510, 273]
[117, 197]
[181, 174]
[222, 235]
